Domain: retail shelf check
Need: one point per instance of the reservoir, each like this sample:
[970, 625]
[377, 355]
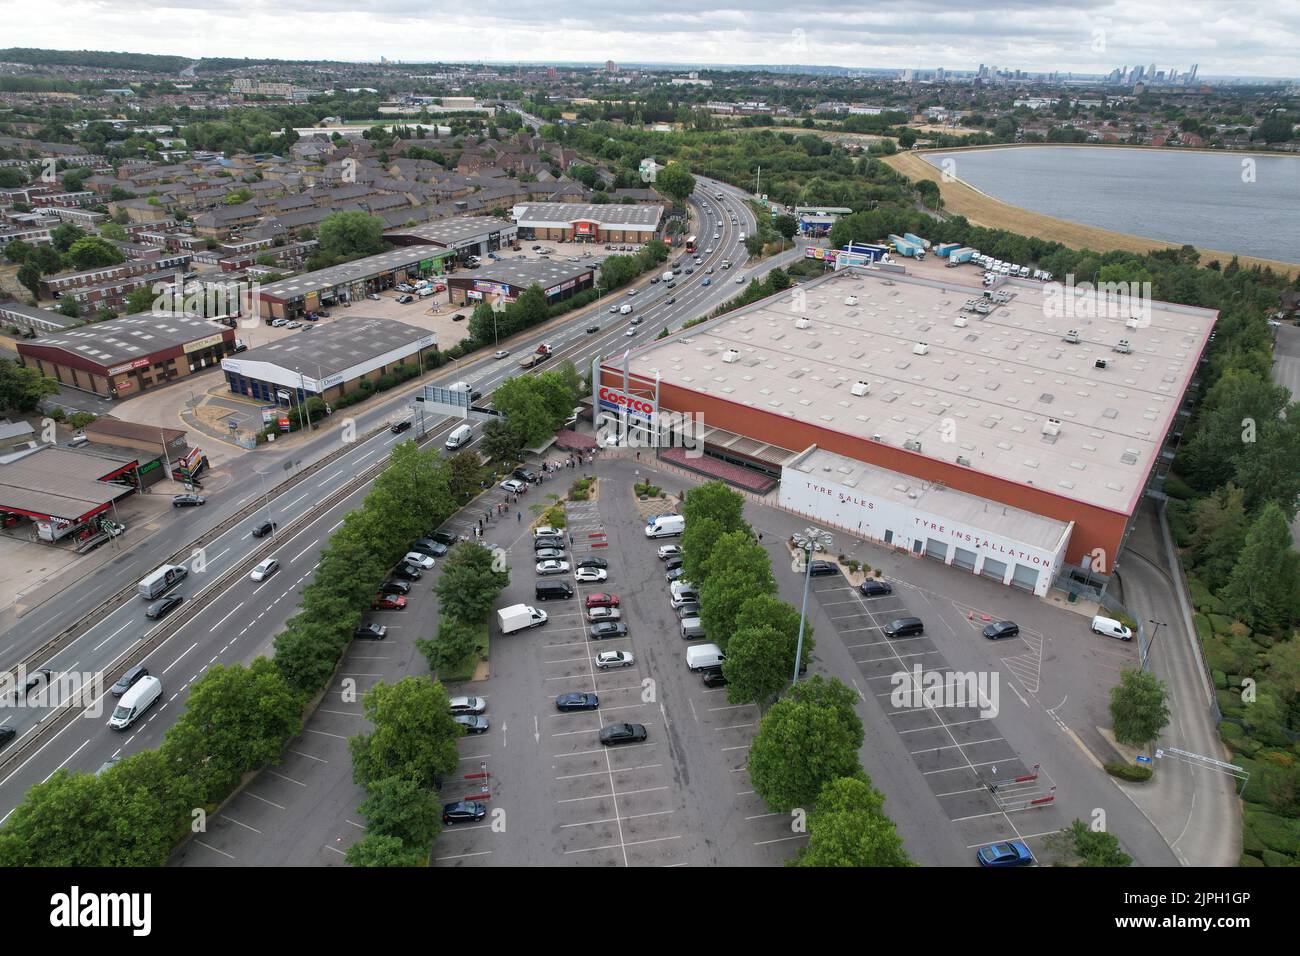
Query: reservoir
[1206, 199]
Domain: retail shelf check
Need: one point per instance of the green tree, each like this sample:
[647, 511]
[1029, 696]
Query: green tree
[464, 475]
[675, 181]
[22, 388]
[737, 569]
[345, 235]
[91, 252]
[414, 735]
[17, 251]
[755, 666]
[754, 244]
[786, 226]
[139, 300]
[451, 646]
[46, 260]
[399, 807]
[376, 850]
[29, 277]
[111, 230]
[1079, 845]
[502, 441]
[63, 236]
[1138, 708]
[68, 306]
[1262, 590]
[849, 828]
[470, 582]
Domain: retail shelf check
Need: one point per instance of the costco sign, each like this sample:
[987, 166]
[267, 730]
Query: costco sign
[617, 400]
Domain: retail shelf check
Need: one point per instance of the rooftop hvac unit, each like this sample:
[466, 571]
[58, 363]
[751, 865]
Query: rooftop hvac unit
[960, 321]
[859, 388]
[730, 356]
[877, 437]
[1100, 363]
[1052, 426]
[912, 445]
[1123, 347]
[963, 460]
[802, 322]
[1072, 336]
[920, 348]
[850, 300]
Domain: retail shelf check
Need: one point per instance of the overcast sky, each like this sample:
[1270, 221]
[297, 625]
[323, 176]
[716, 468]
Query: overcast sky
[1242, 37]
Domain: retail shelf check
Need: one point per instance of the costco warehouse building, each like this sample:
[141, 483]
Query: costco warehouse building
[988, 431]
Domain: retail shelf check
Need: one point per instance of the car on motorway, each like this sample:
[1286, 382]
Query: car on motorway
[467, 705]
[1000, 629]
[264, 528]
[552, 566]
[613, 734]
[604, 614]
[588, 575]
[823, 568]
[264, 570]
[631, 291]
[500, 353]
[707, 281]
[407, 572]
[549, 554]
[473, 723]
[7, 734]
[872, 588]
[187, 501]
[400, 426]
[463, 811]
[393, 586]
[591, 329]
[370, 632]
[125, 682]
[670, 300]
[740, 280]
[601, 599]
[712, 677]
[607, 629]
[577, 700]
[671, 285]
[514, 486]
[1006, 853]
[417, 560]
[163, 606]
[669, 551]
[387, 602]
[690, 269]
[608, 659]
[428, 547]
[630, 332]
[593, 562]
[655, 280]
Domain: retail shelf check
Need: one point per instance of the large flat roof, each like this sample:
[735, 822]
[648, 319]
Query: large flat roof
[984, 390]
[300, 285]
[524, 272]
[333, 348]
[128, 338]
[607, 215]
[56, 482]
[448, 232]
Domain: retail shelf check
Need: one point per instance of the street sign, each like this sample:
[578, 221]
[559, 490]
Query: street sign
[1143, 758]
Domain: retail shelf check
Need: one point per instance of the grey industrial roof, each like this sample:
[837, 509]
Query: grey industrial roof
[300, 285]
[606, 214]
[985, 387]
[31, 313]
[334, 346]
[130, 337]
[447, 232]
[51, 481]
[524, 272]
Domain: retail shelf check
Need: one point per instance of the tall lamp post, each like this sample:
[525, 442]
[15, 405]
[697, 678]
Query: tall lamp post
[1146, 658]
[266, 502]
[808, 541]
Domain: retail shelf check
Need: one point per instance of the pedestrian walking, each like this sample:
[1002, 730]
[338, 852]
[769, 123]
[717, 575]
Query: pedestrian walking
[519, 516]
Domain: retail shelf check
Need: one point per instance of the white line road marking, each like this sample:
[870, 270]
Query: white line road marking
[304, 551]
[223, 620]
[178, 660]
[70, 756]
[111, 636]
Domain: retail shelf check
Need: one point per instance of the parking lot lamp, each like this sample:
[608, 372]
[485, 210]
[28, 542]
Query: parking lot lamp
[808, 541]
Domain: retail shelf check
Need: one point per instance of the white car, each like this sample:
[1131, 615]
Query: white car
[418, 560]
[500, 353]
[667, 551]
[631, 291]
[590, 575]
[614, 659]
[552, 567]
[630, 332]
[372, 295]
[546, 531]
[514, 486]
[598, 614]
[279, 323]
[265, 570]
[740, 280]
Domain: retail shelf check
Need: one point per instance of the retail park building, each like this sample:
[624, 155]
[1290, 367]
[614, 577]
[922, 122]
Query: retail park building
[987, 430]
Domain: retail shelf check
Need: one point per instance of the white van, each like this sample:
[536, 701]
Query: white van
[162, 579]
[665, 526]
[135, 702]
[461, 436]
[625, 309]
[1111, 628]
[424, 291]
[704, 655]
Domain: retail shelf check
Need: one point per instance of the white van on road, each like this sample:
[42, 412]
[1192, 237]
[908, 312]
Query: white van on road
[160, 580]
[461, 436]
[135, 702]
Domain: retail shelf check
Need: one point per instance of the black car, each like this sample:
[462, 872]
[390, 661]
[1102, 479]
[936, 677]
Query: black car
[577, 700]
[876, 588]
[904, 627]
[444, 537]
[263, 529]
[593, 563]
[608, 629]
[370, 632]
[7, 734]
[525, 474]
[187, 501]
[712, 677]
[395, 587]
[689, 609]
[591, 329]
[434, 549]
[1001, 629]
[548, 541]
[40, 678]
[820, 568]
[673, 564]
[127, 679]
[463, 811]
[398, 427]
[406, 572]
[549, 554]
[163, 606]
[622, 734]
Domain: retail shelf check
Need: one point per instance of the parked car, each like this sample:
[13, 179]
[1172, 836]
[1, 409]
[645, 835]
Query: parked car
[403, 299]
[593, 562]
[463, 811]
[514, 486]
[822, 568]
[398, 427]
[164, 606]
[712, 677]
[125, 682]
[373, 295]
[667, 551]
[525, 474]
[873, 588]
[407, 572]
[1000, 629]
[689, 609]
[904, 627]
[394, 586]
[614, 734]
[577, 700]
[673, 574]
[428, 547]
[1008, 853]
[604, 614]
[187, 501]
[548, 541]
[264, 570]
[264, 528]
[370, 632]
[467, 705]
[388, 602]
[550, 554]
[608, 629]
[607, 659]
[417, 560]
[600, 599]
[552, 567]
[587, 575]
[473, 724]
[443, 537]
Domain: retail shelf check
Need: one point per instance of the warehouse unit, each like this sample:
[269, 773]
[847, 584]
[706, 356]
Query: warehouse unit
[506, 280]
[1024, 400]
[467, 236]
[579, 222]
[293, 297]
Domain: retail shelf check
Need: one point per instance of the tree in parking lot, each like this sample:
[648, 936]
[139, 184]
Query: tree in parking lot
[470, 583]
[806, 740]
[755, 665]
[64, 821]
[414, 736]
[464, 475]
[376, 850]
[848, 827]
[737, 569]
[454, 642]
[1080, 845]
[1138, 707]
[767, 610]
[399, 807]
[306, 650]
[409, 497]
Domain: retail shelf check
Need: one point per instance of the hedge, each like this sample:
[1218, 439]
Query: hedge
[1221, 623]
[1129, 772]
[1175, 487]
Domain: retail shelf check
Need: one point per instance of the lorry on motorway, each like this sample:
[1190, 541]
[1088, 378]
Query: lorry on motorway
[541, 355]
[518, 617]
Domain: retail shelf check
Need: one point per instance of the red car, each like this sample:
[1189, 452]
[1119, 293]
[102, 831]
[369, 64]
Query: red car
[602, 600]
[388, 602]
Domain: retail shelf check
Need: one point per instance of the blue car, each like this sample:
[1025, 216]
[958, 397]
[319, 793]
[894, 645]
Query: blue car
[707, 282]
[577, 701]
[1010, 853]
